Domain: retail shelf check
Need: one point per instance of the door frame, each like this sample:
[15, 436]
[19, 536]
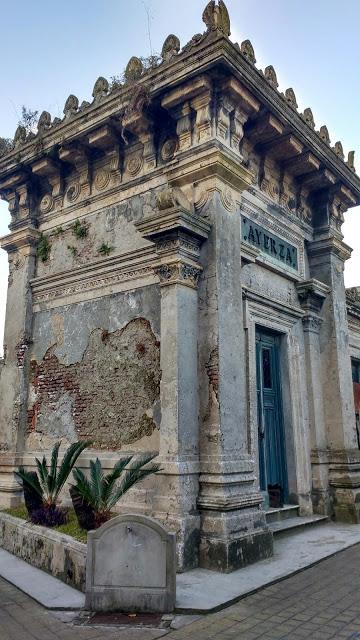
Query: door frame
[271, 340]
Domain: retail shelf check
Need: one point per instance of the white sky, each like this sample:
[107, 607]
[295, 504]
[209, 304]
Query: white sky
[61, 48]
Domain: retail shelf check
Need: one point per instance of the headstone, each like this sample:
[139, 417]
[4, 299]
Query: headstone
[131, 566]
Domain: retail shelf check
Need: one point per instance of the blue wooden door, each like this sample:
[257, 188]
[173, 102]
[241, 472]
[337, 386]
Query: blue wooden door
[272, 456]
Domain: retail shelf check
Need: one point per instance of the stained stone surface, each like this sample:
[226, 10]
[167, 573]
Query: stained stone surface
[131, 566]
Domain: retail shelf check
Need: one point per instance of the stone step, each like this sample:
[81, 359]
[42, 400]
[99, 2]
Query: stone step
[296, 523]
[284, 513]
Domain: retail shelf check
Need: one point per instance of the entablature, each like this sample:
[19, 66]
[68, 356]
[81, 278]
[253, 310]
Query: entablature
[210, 92]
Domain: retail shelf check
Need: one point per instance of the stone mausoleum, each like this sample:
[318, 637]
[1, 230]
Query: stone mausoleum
[176, 284]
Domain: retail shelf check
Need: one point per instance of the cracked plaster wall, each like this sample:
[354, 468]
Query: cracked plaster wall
[95, 373]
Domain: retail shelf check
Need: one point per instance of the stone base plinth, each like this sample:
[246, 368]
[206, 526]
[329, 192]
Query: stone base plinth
[11, 493]
[187, 529]
[344, 474]
[230, 541]
[346, 505]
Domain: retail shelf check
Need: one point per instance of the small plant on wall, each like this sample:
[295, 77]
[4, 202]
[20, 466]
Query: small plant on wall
[59, 231]
[72, 250]
[105, 249]
[79, 229]
[44, 248]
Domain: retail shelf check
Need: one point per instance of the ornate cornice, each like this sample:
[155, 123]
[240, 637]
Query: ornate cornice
[24, 240]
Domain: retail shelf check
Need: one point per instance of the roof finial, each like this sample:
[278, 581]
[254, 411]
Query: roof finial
[216, 17]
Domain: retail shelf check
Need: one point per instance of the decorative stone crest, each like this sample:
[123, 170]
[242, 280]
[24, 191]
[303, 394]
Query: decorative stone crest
[271, 77]
[134, 164]
[20, 136]
[248, 52]
[134, 69]
[101, 89]
[169, 149]
[102, 179]
[71, 106]
[216, 18]
[338, 148]
[351, 161]
[44, 122]
[84, 105]
[290, 98]
[324, 134]
[171, 48]
[46, 203]
[309, 117]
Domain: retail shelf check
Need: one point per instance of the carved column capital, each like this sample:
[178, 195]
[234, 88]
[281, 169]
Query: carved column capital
[312, 294]
[312, 323]
[183, 273]
[177, 234]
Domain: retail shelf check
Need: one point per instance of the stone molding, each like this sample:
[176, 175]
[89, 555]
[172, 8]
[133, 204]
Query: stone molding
[329, 244]
[213, 168]
[108, 272]
[227, 502]
[23, 241]
[263, 303]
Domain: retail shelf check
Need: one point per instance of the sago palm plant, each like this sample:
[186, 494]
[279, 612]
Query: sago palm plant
[101, 492]
[49, 481]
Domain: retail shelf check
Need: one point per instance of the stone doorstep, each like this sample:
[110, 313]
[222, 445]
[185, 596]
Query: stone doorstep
[201, 591]
[288, 524]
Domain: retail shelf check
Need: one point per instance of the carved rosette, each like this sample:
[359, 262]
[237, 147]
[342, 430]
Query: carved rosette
[46, 203]
[73, 192]
[134, 164]
[102, 179]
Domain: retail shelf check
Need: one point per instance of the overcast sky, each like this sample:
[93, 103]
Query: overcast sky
[50, 49]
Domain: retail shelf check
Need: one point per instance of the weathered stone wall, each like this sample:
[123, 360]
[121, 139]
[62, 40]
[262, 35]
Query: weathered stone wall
[95, 373]
[107, 231]
[57, 554]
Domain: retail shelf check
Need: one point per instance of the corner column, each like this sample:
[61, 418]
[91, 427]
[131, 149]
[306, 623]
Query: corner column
[312, 295]
[178, 234]
[327, 255]
[21, 248]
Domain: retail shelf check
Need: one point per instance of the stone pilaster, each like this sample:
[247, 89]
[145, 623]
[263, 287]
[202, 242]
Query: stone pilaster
[312, 295]
[21, 247]
[233, 528]
[327, 254]
[178, 234]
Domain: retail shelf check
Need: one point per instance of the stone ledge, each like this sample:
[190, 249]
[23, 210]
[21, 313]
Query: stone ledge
[53, 552]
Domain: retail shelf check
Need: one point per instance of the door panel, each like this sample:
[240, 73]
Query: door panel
[272, 457]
